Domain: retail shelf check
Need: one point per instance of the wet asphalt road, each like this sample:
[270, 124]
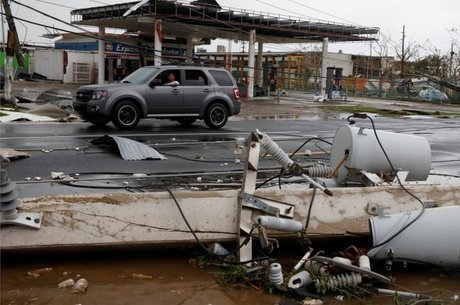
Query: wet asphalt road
[66, 147]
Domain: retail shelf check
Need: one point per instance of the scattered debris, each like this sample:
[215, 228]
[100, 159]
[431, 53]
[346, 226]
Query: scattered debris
[141, 276]
[319, 98]
[51, 111]
[431, 94]
[66, 283]
[398, 293]
[80, 286]
[309, 301]
[38, 272]
[61, 176]
[11, 116]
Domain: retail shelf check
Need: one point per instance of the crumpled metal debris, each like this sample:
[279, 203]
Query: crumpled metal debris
[12, 154]
[129, 149]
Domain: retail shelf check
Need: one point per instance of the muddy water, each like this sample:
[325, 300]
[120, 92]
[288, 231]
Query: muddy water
[145, 277]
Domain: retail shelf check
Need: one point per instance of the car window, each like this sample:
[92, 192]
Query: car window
[168, 77]
[195, 78]
[222, 78]
[140, 76]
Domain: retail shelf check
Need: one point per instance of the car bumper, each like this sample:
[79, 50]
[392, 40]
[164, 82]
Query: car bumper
[90, 110]
[236, 107]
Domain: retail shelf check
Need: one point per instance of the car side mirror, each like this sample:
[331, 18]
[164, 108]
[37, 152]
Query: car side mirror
[155, 82]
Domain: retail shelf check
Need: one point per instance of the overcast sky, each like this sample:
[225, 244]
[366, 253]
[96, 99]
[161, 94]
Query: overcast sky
[430, 23]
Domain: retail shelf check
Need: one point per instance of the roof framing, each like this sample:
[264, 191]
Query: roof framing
[183, 19]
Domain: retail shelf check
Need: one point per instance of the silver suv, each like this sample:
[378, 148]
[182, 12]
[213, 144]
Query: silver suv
[181, 93]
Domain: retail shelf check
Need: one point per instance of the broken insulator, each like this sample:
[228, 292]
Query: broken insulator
[364, 262]
[300, 279]
[316, 267]
[340, 281]
[219, 250]
[275, 274]
[277, 153]
[8, 194]
[319, 171]
[279, 224]
[9, 202]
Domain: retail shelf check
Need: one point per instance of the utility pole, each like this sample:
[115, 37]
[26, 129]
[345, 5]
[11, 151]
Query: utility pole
[13, 48]
[451, 60]
[403, 52]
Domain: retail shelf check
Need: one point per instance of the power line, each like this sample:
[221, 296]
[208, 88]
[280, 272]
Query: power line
[85, 34]
[99, 2]
[49, 16]
[235, 27]
[280, 8]
[56, 4]
[323, 12]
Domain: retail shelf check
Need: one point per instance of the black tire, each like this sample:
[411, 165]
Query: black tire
[99, 123]
[216, 116]
[186, 121]
[126, 115]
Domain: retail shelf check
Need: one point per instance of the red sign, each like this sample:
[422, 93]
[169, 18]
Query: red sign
[159, 29]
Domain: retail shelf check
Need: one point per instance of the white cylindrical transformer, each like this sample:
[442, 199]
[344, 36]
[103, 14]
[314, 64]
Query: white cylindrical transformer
[434, 238]
[406, 152]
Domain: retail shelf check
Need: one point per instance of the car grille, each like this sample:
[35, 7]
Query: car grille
[83, 96]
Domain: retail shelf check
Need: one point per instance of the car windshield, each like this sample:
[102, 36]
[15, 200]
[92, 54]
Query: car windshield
[140, 76]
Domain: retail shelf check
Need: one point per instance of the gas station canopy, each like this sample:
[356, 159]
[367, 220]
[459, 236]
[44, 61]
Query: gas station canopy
[200, 20]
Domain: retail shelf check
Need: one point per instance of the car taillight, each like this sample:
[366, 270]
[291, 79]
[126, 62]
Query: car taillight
[236, 93]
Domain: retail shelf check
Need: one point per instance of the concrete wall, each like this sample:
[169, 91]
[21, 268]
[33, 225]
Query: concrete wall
[341, 60]
[49, 63]
[72, 76]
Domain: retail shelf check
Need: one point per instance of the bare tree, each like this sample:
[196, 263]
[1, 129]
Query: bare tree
[382, 48]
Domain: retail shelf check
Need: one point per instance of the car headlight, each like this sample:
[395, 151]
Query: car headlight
[98, 94]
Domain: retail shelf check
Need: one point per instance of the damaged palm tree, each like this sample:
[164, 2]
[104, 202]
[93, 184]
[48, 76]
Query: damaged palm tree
[9, 202]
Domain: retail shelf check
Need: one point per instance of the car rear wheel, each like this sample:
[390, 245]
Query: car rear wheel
[216, 116]
[126, 115]
[186, 121]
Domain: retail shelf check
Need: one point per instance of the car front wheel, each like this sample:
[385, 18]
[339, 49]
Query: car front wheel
[216, 116]
[126, 115]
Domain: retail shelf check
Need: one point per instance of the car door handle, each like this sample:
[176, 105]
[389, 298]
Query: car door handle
[175, 91]
[206, 90]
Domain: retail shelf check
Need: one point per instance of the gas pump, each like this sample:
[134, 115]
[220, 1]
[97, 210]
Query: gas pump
[334, 83]
[269, 76]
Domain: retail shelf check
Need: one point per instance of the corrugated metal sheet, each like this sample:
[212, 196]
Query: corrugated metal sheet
[129, 149]
[132, 150]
